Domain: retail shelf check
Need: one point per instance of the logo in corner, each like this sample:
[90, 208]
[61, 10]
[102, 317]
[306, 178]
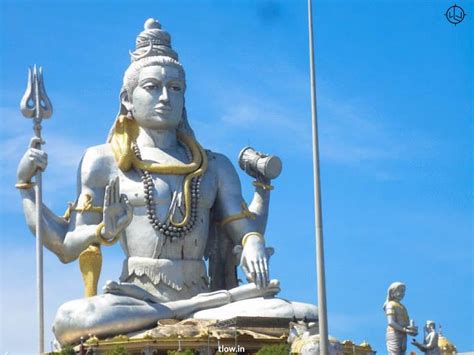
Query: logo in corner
[455, 14]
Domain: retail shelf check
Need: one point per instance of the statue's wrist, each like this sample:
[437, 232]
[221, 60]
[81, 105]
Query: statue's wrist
[24, 185]
[99, 232]
[254, 236]
[263, 185]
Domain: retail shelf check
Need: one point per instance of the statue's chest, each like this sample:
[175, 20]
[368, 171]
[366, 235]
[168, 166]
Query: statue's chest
[166, 189]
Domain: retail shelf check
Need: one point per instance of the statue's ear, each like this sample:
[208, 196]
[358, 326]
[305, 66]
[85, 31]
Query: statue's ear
[125, 102]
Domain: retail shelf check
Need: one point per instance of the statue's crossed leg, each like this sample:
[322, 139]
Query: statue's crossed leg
[127, 308]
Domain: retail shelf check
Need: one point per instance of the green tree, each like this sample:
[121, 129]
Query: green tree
[67, 350]
[184, 352]
[280, 349]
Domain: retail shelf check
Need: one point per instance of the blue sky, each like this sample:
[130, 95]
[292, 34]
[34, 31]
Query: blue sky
[395, 93]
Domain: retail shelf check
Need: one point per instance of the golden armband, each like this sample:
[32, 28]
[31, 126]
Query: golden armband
[86, 207]
[245, 213]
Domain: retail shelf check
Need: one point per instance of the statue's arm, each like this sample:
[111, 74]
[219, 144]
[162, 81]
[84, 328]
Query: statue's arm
[65, 238]
[242, 231]
[432, 342]
[101, 212]
[390, 313]
[229, 200]
[54, 228]
[82, 226]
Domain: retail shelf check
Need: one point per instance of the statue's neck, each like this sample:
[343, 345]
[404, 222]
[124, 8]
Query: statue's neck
[163, 139]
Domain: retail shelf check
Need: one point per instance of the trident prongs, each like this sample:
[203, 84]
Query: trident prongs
[35, 102]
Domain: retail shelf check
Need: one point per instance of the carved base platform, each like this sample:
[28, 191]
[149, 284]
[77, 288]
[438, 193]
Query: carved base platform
[242, 335]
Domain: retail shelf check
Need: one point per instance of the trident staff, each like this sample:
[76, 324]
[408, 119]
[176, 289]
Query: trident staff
[323, 322]
[35, 104]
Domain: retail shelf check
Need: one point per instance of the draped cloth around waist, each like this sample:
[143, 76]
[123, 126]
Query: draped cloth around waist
[396, 341]
[176, 274]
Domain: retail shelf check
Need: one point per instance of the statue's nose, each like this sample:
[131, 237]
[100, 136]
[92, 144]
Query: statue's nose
[164, 94]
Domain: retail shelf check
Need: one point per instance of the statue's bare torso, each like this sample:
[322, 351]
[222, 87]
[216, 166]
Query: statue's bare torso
[140, 239]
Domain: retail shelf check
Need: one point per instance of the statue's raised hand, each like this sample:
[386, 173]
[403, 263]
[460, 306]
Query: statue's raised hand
[33, 160]
[118, 212]
[254, 261]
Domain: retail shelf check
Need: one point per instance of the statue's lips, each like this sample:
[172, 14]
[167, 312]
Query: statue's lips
[163, 109]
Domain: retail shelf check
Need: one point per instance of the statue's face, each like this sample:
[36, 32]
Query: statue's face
[158, 99]
[399, 293]
[429, 327]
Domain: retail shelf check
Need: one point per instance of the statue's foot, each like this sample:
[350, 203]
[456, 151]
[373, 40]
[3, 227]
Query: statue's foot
[129, 290]
[260, 307]
[251, 291]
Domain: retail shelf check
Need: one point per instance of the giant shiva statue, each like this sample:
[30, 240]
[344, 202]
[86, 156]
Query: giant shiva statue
[170, 203]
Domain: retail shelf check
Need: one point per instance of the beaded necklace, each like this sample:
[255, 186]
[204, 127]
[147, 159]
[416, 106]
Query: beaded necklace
[167, 228]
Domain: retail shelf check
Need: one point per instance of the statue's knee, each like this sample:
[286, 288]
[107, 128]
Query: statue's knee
[72, 319]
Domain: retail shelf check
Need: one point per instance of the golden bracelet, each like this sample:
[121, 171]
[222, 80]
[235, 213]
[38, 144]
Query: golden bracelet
[24, 185]
[102, 240]
[244, 239]
[262, 185]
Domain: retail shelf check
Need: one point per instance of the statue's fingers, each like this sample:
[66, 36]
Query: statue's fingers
[264, 272]
[266, 269]
[247, 273]
[124, 201]
[112, 192]
[40, 160]
[129, 208]
[258, 274]
[107, 197]
[117, 189]
[37, 153]
[35, 141]
[252, 271]
[263, 280]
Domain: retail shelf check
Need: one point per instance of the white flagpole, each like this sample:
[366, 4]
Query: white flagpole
[323, 323]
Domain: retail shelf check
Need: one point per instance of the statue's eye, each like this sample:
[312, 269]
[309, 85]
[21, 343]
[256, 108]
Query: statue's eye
[175, 87]
[149, 87]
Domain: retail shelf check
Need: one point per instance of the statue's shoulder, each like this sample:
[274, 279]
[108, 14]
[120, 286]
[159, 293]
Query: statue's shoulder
[391, 307]
[215, 158]
[219, 163]
[98, 165]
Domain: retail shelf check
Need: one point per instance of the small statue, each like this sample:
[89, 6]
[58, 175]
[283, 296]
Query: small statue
[399, 325]
[430, 342]
[170, 203]
[304, 339]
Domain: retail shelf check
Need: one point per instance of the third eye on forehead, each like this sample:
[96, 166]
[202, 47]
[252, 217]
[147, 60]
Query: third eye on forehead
[161, 73]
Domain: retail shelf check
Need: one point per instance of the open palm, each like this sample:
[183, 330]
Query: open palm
[118, 212]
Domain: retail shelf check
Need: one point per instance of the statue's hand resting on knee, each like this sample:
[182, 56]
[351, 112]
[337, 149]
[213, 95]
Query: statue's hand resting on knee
[254, 261]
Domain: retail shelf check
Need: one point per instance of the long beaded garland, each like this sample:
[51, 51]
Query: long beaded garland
[166, 228]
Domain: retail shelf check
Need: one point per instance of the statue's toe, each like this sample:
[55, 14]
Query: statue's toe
[110, 286]
[272, 289]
